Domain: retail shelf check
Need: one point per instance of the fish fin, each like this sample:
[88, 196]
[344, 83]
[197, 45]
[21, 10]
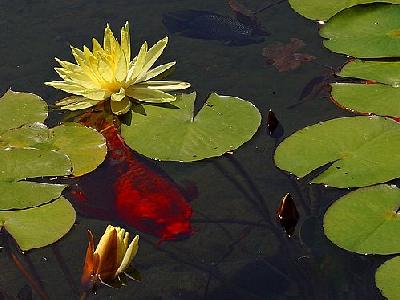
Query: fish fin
[176, 22]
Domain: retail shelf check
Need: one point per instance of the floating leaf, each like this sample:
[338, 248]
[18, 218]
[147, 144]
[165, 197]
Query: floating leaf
[380, 98]
[366, 221]
[387, 278]
[223, 124]
[84, 146]
[361, 150]
[365, 31]
[323, 10]
[23, 194]
[18, 109]
[40, 226]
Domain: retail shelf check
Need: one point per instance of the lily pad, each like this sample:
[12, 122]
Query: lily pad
[85, 147]
[223, 124]
[387, 278]
[18, 109]
[366, 221]
[380, 96]
[23, 194]
[324, 10]
[361, 150]
[365, 31]
[40, 226]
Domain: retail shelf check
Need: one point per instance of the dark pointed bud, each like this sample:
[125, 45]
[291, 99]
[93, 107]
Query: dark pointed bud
[287, 214]
[275, 129]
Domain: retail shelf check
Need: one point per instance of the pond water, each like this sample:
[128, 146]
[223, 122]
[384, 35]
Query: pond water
[237, 251]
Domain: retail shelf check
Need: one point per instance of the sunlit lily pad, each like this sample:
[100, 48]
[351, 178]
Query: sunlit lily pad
[23, 194]
[85, 147]
[361, 150]
[223, 124]
[380, 96]
[387, 278]
[323, 10]
[17, 109]
[40, 226]
[365, 31]
[366, 221]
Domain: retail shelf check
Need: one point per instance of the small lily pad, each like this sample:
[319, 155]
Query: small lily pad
[366, 221]
[357, 151]
[380, 96]
[85, 147]
[18, 109]
[387, 278]
[40, 226]
[223, 124]
[324, 10]
[371, 31]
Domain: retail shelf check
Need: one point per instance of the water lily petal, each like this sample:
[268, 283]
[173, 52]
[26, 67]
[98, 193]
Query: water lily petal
[121, 234]
[118, 96]
[164, 85]
[129, 255]
[90, 266]
[153, 54]
[149, 95]
[126, 42]
[121, 107]
[76, 102]
[107, 251]
[157, 71]
[121, 68]
[137, 64]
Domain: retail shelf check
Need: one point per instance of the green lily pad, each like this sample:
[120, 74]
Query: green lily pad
[18, 109]
[40, 226]
[385, 72]
[362, 150]
[380, 96]
[365, 31]
[324, 10]
[83, 145]
[366, 221]
[387, 278]
[378, 99]
[223, 124]
[23, 194]
[25, 163]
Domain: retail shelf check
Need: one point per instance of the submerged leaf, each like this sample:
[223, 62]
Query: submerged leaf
[223, 124]
[358, 151]
[366, 221]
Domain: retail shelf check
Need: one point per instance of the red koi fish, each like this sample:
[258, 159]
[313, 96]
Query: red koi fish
[143, 198]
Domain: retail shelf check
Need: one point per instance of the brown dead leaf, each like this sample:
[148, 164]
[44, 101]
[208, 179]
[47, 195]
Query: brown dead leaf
[284, 56]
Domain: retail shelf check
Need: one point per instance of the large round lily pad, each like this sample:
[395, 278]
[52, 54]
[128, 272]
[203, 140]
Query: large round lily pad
[323, 10]
[380, 96]
[40, 226]
[387, 278]
[365, 31]
[17, 109]
[361, 150]
[366, 221]
[223, 124]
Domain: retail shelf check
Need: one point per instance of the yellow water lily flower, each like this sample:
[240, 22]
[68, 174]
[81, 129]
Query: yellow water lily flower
[108, 73]
[113, 255]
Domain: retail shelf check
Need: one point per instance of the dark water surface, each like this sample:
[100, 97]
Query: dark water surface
[238, 251]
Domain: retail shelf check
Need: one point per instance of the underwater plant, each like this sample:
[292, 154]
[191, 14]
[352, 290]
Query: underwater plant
[112, 257]
[108, 73]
